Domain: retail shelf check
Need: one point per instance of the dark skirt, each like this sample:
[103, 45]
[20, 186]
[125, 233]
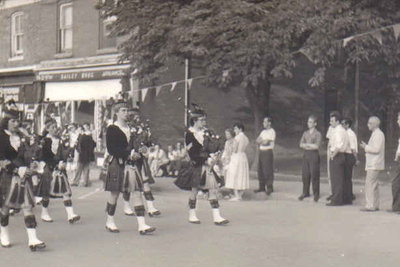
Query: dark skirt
[20, 194]
[5, 182]
[144, 170]
[201, 177]
[43, 188]
[53, 184]
[59, 185]
[115, 177]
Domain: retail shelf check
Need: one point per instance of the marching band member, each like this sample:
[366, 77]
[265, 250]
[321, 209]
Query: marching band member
[16, 182]
[122, 174]
[54, 181]
[198, 174]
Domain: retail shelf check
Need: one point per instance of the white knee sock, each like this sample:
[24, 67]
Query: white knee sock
[4, 236]
[110, 222]
[217, 216]
[127, 208]
[192, 216]
[45, 214]
[32, 238]
[150, 206]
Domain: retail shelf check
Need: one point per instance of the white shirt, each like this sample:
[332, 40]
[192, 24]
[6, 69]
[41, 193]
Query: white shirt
[353, 143]
[15, 140]
[375, 151]
[198, 134]
[270, 135]
[398, 148]
[126, 130]
[338, 139]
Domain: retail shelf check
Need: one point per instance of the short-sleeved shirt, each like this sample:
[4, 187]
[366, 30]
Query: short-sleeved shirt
[270, 135]
[311, 137]
[353, 143]
[339, 139]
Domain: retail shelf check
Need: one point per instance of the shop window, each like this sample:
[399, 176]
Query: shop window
[65, 28]
[16, 35]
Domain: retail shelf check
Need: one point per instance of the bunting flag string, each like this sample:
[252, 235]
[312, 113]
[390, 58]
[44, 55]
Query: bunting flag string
[377, 36]
[346, 40]
[190, 83]
[396, 29]
[144, 93]
[173, 86]
[158, 90]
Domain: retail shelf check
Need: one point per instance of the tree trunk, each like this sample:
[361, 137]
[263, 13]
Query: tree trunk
[259, 103]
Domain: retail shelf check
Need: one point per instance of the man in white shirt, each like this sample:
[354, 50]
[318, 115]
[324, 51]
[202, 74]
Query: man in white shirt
[338, 143]
[375, 162]
[266, 142]
[351, 160]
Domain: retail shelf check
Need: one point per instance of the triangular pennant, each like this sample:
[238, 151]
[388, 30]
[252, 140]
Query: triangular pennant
[78, 103]
[346, 40]
[396, 29]
[144, 93]
[189, 83]
[378, 36]
[158, 89]
[173, 86]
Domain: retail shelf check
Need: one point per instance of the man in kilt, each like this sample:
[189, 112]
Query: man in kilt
[199, 174]
[141, 142]
[16, 181]
[122, 174]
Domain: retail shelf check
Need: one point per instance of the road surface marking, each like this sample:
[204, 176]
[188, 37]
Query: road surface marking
[89, 194]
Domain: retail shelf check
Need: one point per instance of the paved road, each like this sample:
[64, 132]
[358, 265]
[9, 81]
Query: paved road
[274, 231]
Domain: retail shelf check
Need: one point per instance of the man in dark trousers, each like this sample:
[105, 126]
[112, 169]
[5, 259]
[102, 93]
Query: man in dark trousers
[350, 162]
[338, 143]
[266, 142]
[310, 143]
[85, 148]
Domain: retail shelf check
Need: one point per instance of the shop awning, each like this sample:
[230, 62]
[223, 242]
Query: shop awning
[84, 90]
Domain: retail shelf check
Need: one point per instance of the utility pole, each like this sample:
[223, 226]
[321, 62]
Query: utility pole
[357, 98]
[187, 93]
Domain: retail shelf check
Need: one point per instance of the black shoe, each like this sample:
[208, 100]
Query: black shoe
[154, 213]
[368, 210]
[74, 219]
[269, 192]
[112, 230]
[37, 246]
[259, 190]
[329, 198]
[195, 222]
[147, 231]
[353, 197]
[303, 196]
[130, 214]
[331, 204]
[75, 185]
[224, 222]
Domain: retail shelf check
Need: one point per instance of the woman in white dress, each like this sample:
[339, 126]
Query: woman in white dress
[237, 175]
[229, 148]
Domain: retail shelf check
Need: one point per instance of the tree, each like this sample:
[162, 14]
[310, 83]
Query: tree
[240, 42]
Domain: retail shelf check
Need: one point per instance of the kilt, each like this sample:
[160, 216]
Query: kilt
[59, 185]
[132, 180]
[19, 194]
[144, 170]
[53, 184]
[201, 177]
[115, 176]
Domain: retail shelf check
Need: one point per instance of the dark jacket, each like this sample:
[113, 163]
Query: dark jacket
[85, 147]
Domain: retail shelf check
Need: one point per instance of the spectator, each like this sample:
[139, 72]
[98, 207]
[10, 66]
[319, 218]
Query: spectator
[85, 148]
[158, 161]
[173, 157]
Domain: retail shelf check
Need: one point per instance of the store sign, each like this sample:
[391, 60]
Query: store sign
[8, 93]
[80, 75]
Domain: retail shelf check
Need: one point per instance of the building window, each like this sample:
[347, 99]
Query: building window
[106, 40]
[16, 34]
[65, 32]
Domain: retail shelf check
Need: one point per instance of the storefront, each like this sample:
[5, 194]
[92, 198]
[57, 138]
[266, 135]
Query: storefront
[79, 95]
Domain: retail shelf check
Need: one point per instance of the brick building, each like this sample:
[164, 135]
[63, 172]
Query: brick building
[56, 56]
